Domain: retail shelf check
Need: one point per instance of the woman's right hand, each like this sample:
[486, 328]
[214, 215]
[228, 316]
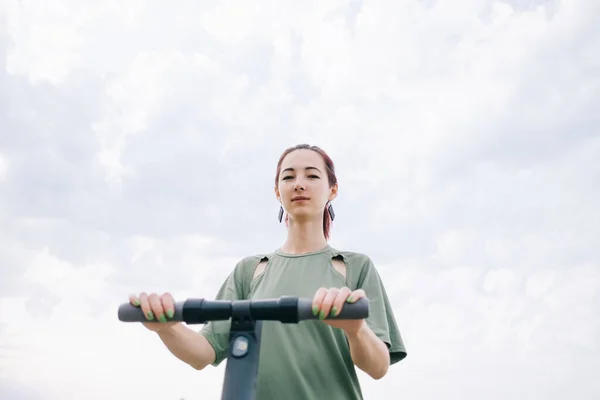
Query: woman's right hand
[156, 308]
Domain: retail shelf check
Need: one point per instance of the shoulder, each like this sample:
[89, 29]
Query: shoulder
[252, 259]
[250, 262]
[244, 271]
[360, 266]
[353, 258]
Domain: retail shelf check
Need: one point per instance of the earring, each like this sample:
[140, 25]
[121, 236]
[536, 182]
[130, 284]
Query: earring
[331, 213]
[280, 217]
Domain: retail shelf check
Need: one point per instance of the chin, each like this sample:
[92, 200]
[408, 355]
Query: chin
[303, 215]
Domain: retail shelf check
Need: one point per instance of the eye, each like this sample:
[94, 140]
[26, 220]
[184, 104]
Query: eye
[313, 176]
[286, 177]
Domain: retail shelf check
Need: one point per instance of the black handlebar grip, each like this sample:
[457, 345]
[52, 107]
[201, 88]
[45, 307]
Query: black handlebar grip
[358, 310]
[130, 313]
[219, 310]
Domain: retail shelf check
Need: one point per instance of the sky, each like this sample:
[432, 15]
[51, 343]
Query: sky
[138, 146]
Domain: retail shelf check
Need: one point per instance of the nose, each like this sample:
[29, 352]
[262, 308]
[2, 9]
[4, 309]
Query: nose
[299, 185]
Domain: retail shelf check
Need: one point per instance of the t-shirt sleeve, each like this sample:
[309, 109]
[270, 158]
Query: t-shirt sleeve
[381, 318]
[217, 332]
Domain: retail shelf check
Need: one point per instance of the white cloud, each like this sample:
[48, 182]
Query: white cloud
[4, 165]
[141, 157]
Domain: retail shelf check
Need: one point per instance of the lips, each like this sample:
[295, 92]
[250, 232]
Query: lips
[300, 198]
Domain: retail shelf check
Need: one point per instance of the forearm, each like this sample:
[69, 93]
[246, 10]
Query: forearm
[368, 352]
[187, 345]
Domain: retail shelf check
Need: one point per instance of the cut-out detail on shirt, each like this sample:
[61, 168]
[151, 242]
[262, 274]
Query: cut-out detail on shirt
[339, 265]
[260, 268]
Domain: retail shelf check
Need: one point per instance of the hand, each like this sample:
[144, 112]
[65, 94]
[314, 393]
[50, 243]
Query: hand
[156, 308]
[331, 301]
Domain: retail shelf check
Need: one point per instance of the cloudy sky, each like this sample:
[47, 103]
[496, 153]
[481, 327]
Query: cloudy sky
[138, 144]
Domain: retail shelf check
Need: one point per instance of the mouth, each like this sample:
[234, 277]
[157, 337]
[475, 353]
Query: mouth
[300, 198]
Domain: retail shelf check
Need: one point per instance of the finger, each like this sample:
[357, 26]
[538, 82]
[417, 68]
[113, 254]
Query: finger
[168, 304]
[339, 301]
[317, 300]
[327, 302]
[356, 295]
[145, 304]
[134, 300]
[157, 307]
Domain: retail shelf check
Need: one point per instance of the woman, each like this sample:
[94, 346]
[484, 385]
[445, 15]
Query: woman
[313, 359]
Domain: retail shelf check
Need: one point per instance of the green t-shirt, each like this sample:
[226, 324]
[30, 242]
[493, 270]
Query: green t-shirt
[308, 360]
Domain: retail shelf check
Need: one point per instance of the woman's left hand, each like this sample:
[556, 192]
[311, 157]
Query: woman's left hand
[331, 301]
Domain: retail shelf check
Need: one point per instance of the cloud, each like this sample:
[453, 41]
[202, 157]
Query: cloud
[10, 390]
[138, 145]
[4, 164]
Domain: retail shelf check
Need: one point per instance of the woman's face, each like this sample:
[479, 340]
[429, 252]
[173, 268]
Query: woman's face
[303, 188]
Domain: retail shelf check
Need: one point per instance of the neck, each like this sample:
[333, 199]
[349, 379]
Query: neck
[304, 237]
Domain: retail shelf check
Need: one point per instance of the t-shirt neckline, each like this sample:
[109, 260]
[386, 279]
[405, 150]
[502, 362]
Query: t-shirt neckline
[312, 253]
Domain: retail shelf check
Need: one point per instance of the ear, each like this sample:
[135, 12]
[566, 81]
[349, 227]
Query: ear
[333, 192]
[277, 194]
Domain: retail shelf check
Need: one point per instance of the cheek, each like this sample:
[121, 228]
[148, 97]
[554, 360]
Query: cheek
[322, 187]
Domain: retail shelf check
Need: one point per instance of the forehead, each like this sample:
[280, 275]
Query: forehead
[303, 158]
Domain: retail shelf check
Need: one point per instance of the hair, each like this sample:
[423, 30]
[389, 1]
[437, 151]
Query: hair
[331, 177]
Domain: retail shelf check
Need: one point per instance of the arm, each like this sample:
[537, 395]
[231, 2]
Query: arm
[369, 353]
[187, 345]
[210, 345]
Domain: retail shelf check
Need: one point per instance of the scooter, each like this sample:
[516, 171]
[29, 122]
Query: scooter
[245, 335]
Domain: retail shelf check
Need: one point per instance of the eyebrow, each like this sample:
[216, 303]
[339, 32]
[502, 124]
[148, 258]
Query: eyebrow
[306, 169]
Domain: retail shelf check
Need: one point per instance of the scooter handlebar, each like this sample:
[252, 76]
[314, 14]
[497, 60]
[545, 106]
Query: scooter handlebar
[285, 309]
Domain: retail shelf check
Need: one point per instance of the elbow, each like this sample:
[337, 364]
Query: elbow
[382, 367]
[380, 372]
[198, 367]
[376, 369]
